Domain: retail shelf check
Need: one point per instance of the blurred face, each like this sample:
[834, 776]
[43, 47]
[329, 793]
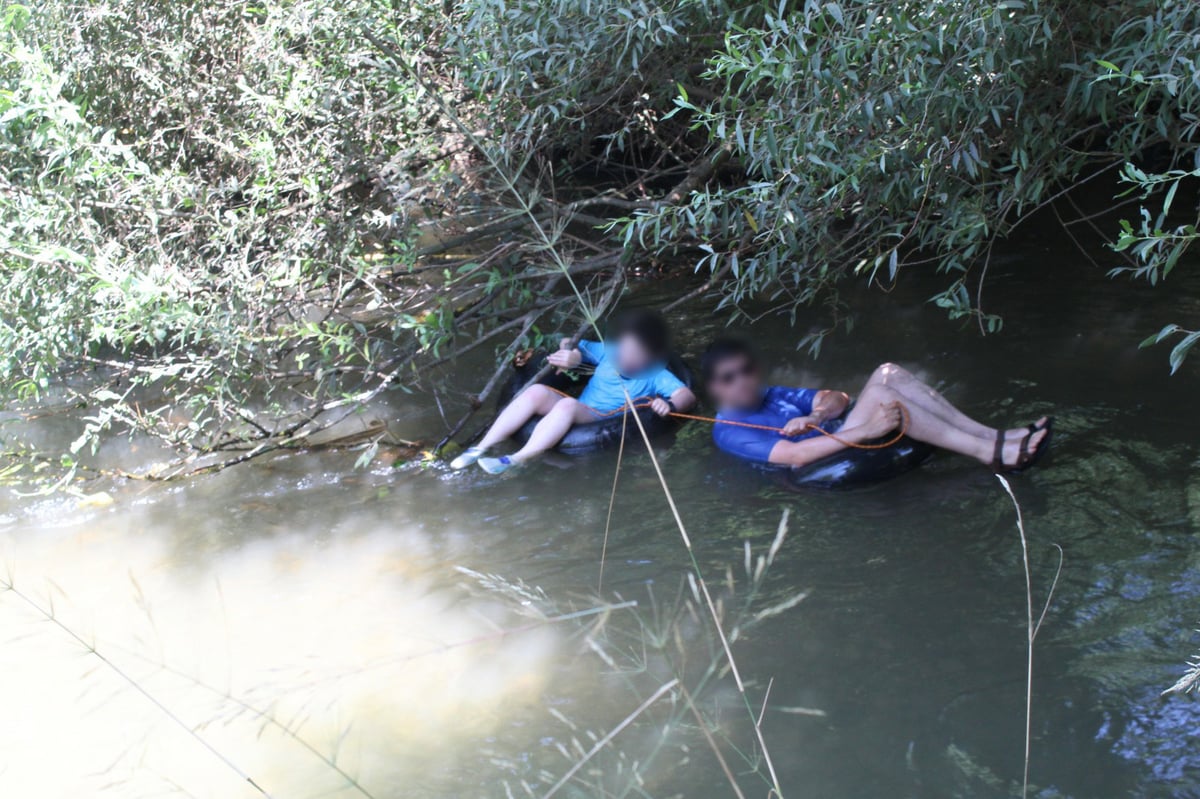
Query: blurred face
[736, 384]
[632, 355]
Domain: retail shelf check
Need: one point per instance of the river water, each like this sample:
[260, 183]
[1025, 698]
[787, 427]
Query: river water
[327, 631]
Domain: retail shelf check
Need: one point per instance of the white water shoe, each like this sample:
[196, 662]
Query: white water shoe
[467, 457]
[496, 465]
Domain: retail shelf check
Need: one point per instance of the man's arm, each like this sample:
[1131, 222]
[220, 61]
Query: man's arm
[883, 420]
[802, 453]
[826, 405]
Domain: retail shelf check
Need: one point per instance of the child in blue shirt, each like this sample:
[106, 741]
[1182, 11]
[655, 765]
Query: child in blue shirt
[636, 364]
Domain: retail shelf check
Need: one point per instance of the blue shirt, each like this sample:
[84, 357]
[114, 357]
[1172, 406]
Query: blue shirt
[605, 392]
[779, 406]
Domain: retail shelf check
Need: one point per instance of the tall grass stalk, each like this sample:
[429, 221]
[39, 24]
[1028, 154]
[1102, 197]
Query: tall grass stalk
[691, 704]
[9, 585]
[708, 600]
[259, 714]
[613, 733]
[492, 637]
[1032, 628]
[712, 744]
[1189, 680]
[612, 501]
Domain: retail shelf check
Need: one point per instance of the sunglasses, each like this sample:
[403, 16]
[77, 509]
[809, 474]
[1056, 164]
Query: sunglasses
[747, 369]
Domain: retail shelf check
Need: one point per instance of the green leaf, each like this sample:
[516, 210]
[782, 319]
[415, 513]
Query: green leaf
[1170, 198]
[1181, 350]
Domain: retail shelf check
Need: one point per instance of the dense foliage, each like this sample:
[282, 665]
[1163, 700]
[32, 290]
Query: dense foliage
[248, 217]
[863, 137]
[188, 189]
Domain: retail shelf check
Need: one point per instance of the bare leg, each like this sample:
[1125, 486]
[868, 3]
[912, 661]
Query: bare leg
[933, 429]
[566, 413]
[534, 401]
[917, 392]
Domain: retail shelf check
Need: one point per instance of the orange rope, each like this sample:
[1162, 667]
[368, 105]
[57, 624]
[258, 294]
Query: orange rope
[644, 402]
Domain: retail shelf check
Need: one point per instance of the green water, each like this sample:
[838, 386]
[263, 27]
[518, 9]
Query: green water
[300, 614]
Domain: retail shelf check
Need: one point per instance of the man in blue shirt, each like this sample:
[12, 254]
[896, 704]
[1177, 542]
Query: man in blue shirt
[634, 366]
[781, 426]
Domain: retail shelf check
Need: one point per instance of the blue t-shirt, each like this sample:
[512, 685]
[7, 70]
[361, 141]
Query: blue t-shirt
[605, 392]
[779, 406]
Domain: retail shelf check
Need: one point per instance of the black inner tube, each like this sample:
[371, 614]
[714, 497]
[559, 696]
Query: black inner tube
[854, 468]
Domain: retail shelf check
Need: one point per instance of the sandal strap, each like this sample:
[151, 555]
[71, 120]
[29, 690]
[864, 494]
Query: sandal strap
[998, 452]
[1024, 455]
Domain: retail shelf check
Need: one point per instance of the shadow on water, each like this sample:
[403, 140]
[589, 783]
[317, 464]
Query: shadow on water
[285, 583]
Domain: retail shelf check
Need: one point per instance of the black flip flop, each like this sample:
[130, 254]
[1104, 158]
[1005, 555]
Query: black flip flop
[1025, 459]
[1028, 459]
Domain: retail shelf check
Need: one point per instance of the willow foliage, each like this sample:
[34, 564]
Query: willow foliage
[185, 189]
[864, 137]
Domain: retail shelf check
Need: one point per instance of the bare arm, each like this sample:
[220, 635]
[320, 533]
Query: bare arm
[683, 399]
[882, 420]
[802, 453]
[565, 358]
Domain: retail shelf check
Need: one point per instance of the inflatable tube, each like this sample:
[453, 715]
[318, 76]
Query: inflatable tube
[854, 468]
[587, 438]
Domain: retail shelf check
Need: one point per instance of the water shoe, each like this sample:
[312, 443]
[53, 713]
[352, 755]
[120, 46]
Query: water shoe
[467, 457]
